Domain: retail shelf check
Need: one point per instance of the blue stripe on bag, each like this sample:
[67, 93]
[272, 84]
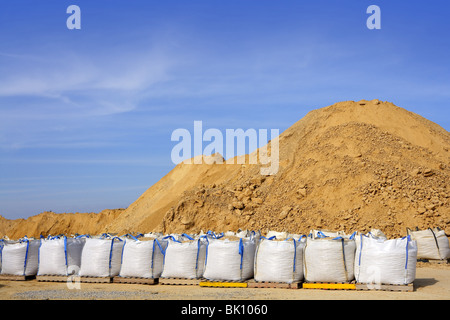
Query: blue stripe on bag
[241, 251]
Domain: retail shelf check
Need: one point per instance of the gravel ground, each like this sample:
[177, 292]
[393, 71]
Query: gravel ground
[432, 283]
[62, 294]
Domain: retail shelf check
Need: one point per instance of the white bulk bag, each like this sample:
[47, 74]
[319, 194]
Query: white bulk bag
[386, 261]
[279, 261]
[229, 260]
[185, 259]
[60, 256]
[329, 259]
[20, 257]
[101, 257]
[431, 244]
[142, 259]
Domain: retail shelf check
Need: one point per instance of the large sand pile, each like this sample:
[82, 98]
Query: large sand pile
[350, 166]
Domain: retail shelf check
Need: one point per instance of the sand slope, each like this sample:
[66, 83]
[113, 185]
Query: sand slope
[51, 223]
[349, 166]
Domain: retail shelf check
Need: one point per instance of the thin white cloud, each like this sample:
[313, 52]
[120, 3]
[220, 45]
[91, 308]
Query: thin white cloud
[98, 85]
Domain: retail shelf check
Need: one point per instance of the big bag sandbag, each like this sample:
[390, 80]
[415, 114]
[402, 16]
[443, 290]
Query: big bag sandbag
[230, 260]
[101, 257]
[142, 259]
[185, 259]
[329, 259]
[431, 244]
[60, 256]
[386, 261]
[279, 261]
[20, 257]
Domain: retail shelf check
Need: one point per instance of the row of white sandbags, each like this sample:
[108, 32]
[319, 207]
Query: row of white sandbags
[432, 243]
[315, 259]
[338, 259]
[59, 255]
[107, 256]
[320, 258]
[323, 259]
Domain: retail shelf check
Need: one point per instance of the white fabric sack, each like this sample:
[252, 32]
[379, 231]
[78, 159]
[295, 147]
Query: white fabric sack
[52, 257]
[329, 259]
[20, 258]
[142, 259]
[60, 256]
[381, 261]
[279, 261]
[431, 244]
[185, 259]
[101, 257]
[230, 260]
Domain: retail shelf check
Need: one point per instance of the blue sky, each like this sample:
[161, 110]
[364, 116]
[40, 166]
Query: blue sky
[86, 115]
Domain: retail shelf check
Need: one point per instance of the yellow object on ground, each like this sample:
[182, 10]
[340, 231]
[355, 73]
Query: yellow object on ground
[335, 286]
[223, 284]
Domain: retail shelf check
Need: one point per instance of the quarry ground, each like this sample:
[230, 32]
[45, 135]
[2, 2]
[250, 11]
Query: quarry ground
[432, 283]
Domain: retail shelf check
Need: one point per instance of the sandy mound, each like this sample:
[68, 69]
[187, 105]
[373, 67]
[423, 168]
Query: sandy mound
[350, 166]
[51, 223]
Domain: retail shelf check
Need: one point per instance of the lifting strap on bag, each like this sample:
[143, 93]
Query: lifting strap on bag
[26, 256]
[187, 236]
[111, 251]
[65, 254]
[82, 235]
[241, 251]
[437, 244]
[295, 251]
[360, 253]
[343, 256]
[171, 238]
[321, 235]
[214, 235]
[271, 238]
